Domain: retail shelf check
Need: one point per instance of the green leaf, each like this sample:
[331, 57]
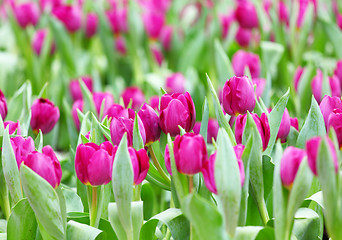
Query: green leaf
[89, 104]
[22, 223]
[223, 65]
[137, 218]
[73, 201]
[96, 135]
[318, 198]
[247, 233]
[271, 55]
[114, 219]
[333, 33]
[44, 201]
[228, 184]
[307, 224]
[304, 89]
[38, 142]
[10, 169]
[174, 220]
[274, 120]
[138, 142]
[77, 230]
[314, 125]
[205, 218]
[205, 119]
[122, 180]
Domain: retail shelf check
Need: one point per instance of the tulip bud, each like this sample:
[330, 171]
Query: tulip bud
[75, 88]
[21, 148]
[140, 164]
[91, 24]
[26, 14]
[285, 125]
[294, 123]
[177, 109]
[12, 127]
[105, 98]
[327, 105]
[242, 59]
[120, 45]
[297, 76]
[208, 169]
[243, 36]
[338, 71]
[150, 120]
[262, 126]
[117, 20]
[70, 16]
[312, 146]
[3, 105]
[335, 122]
[153, 23]
[135, 95]
[260, 86]
[303, 5]
[175, 83]
[283, 13]
[45, 115]
[238, 96]
[116, 110]
[165, 37]
[94, 163]
[46, 165]
[77, 105]
[317, 83]
[289, 165]
[213, 128]
[190, 153]
[246, 15]
[38, 41]
[167, 159]
[226, 21]
[158, 55]
[154, 102]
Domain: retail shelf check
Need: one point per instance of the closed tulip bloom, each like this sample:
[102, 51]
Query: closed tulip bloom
[238, 96]
[243, 36]
[167, 159]
[165, 37]
[213, 128]
[94, 163]
[21, 148]
[260, 86]
[335, 122]
[190, 153]
[12, 127]
[285, 125]
[26, 14]
[150, 120]
[294, 123]
[242, 59]
[157, 54]
[338, 71]
[140, 164]
[3, 105]
[226, 21]
[91, 25]
[246, 15]
[120, 45]
[46, 165]
[38, 41]
[154, 102]
[153, 23]
[262, 126]
[283, 13]
[135, 95]
[175, 83]
[312, 146]
[75, 88]
[317, 83]
[77, 105]
[297, 76]
[117, 19]
[289, 165]
[116, 110]
[177, 109]
[104, 98]
[70, 16]
[327, 105]
[45, 115]
[208, 169]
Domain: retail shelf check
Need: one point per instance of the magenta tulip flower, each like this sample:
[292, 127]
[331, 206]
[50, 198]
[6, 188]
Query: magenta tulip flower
[12, 127]
[317, 83]
[70, 16]
[75, 88]
[246, 15]
[154, 102]
[177, 109]
[117, 19]
[262, 126]
[153, 23]
[3, 105]
[165, 37]
[327, 105]
[45, 115]
[46, 165]
[289, 165]
[226, 21]
[91, 25]
[140, 164]
[297, 76]
[312, 147]
[283, 13]
[116, 110]
[38, 41]
[175, 83]
[190, 153]
[213, 128]
[285, 125]
[260, 86]
[150, 120]
[335, 122]
[243, 36]
[94, 163]
[157, 54]
[21, 148]
[242, 59]
[120, 45]
[77, 105]
[26, 14]
[294, 123]
[104, 98]
[167, 159]
[135, 95]
[338, 71]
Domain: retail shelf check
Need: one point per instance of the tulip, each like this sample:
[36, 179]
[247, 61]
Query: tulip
[327, 105]
[45, 115]
[238, 96]
[297, 76]
[246, 15]
[303, 5]
[150, 121]
[21, 148]
[177, 109]
[339, 20]
[38, 41]
[165, 37]
[243, 36]
[104, 98]
[70, 16]
[117, 19]
[242, 59]
[91, 25]
[161, 6]
[75, 88]
[338, 71]
[335, 122]
[153, 23]
[94, 163]
[175, 83]
[135, 95]
[190, 153]
[12, 127]
[154, 102]
[208, 169]
[157, 54]
[317, 83]
[140, 164]
[116, 110]
[294, 123]
[285, 125]
[260, 86]
[46, 165]
[262, 126]
[77, 105]
[226, 21]
[49, 4]
[120, 45]
[289, 165]
[312, 147]
[3, 105]
[212, 132]
[167, 159]
[283, 13]
[26, 14]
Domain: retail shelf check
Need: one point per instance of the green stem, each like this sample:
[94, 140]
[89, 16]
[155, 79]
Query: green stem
[6, 207]
[93, 212]
[157, 165]
[263, 211]
[191, 183]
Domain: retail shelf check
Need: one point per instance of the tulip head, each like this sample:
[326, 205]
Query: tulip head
[338, 71]
[297, 76]
[91, 25]
[150, 121]
[77, 105]
[285, 125]
[165, 37]
[246, 15]
[243, 59]
[45, 115]
[327, 105]
[135, 95]
[75, 88]
[26, 14]
[294, 123]
[243, 36]
[38, 41]
[153, 23]
[116, 110]
[212, 132]
[175, 83]
[3, 105]
[177, 109]
[260, 86]
[154, 102]
[12, 127]
[70, 16]
[335, 122]
[21, 148]
[140, 164]
[104, 98]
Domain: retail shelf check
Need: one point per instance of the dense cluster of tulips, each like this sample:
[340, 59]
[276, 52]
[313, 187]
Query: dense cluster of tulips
[168, 119]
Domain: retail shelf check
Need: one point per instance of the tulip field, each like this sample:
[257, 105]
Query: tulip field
[171, 119]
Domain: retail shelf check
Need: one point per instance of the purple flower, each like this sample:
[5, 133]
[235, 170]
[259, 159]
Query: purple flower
[21, 148]
[150, 121]
[175, 83]
[246, 15]
[75, 88]
[135, 95]
[70, 16]
[242, 59]
[91, 25]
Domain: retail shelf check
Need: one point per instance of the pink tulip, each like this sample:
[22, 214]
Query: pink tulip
[91, 25]
[175, 83]
[242, 59]
[246, 15]
[70, 16]
[26, 14]
[21, 148]
[135, 95]
[12, 127]
[75, 88]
